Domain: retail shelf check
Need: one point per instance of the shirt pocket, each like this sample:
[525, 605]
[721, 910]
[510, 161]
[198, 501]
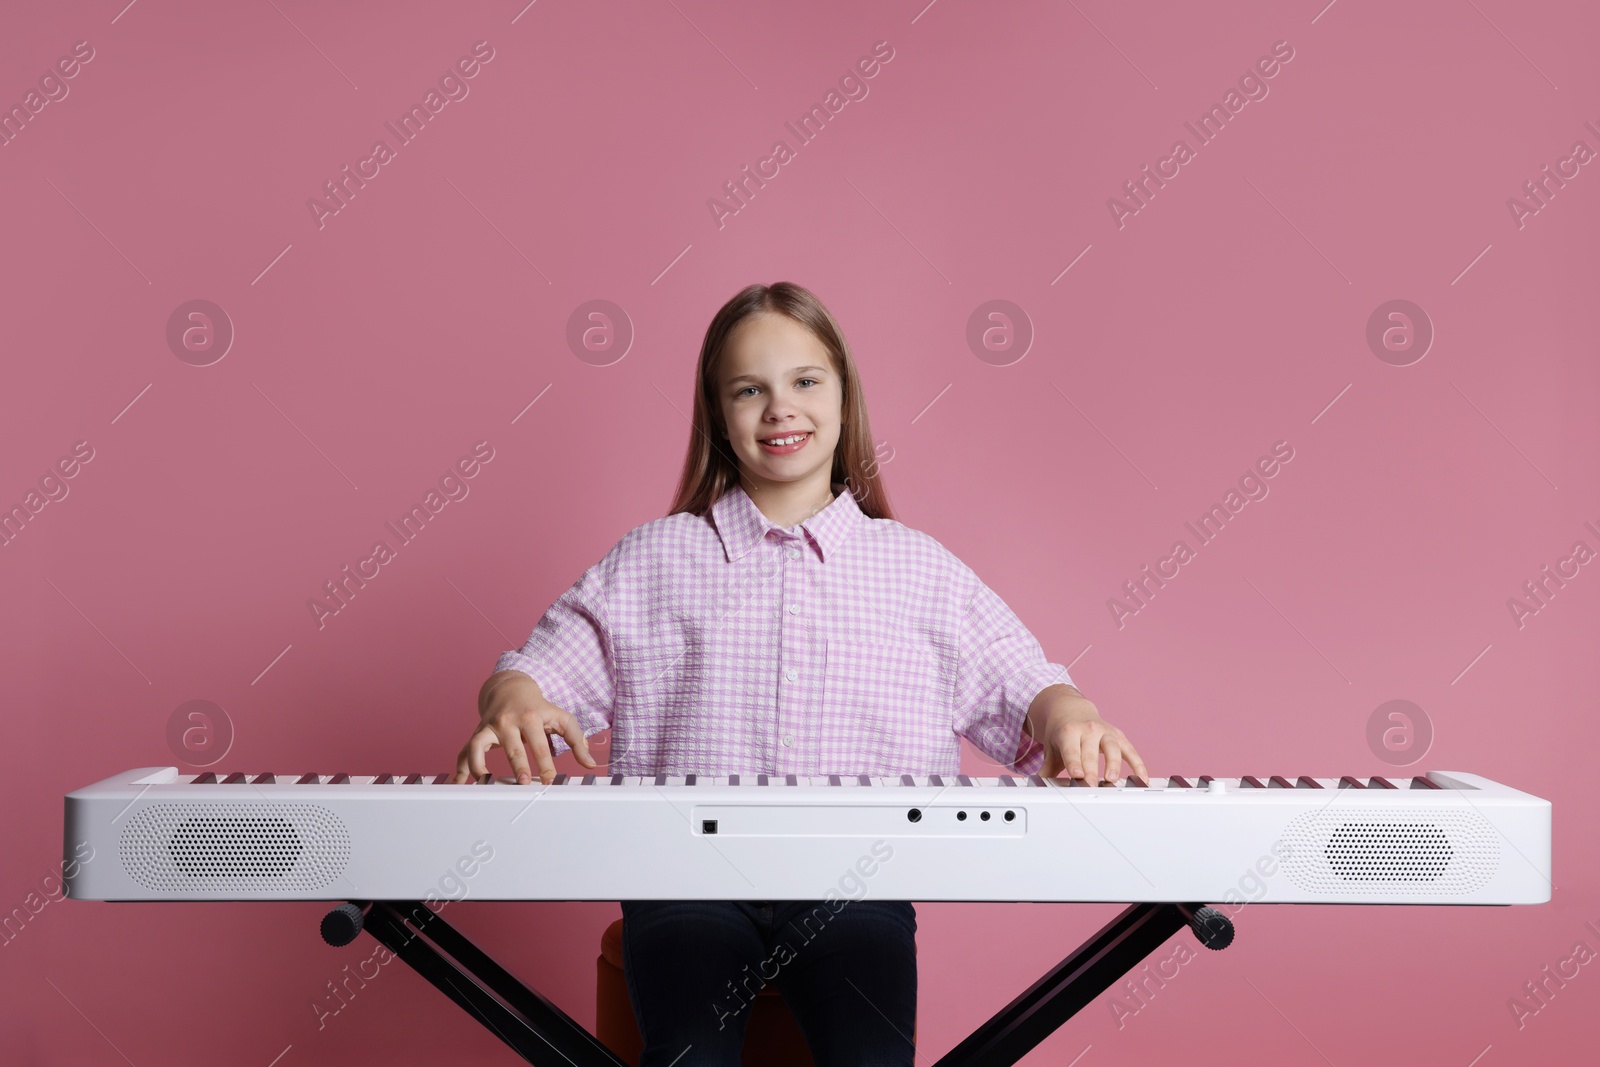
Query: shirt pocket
[658, 693]
[885, 709]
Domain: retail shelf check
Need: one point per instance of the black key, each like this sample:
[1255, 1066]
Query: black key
[1036, 780]
[383, 779]
[833, 779]
[934, 779]
[1205, 779]
[410, 779]
[661, 779]
[588, 779]
[1278, 781]
[561, 779]
[264, 779]
[208, 778]
[1250, 781]
[236, 778]
[1180, 781]
[1135, 782]
[761, 779]
[1307, 782]
[1382, 783]
[1006, 779]
[308, 779]
[1423, 782]
[905, 779]
[788, 779]
[688, 779]
[616, 779]
[963, 779]
[1347, 782]
[439, 779]
[733, 779]
[864, 779]
[339, 779]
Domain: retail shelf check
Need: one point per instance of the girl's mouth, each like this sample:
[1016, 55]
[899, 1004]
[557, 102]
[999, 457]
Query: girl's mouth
[793, 442]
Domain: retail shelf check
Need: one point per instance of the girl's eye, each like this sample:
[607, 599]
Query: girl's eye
[745, 390]
[808, 380]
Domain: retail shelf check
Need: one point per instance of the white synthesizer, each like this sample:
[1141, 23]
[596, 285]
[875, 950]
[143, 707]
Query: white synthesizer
[1442, 838]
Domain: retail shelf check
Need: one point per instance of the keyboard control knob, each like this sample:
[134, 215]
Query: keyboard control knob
[1216, 785]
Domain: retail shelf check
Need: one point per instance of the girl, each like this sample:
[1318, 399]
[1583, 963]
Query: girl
[780, 621]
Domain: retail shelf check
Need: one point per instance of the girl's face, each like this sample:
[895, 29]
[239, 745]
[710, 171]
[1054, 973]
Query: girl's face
[778, 384]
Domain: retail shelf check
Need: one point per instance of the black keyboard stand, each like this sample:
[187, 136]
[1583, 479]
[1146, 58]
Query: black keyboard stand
[542, 1033]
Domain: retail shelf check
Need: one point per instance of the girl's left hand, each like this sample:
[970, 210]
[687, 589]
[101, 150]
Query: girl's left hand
[1074, 735]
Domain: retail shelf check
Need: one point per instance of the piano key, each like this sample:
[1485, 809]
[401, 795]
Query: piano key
[661, 779]
[934, 779]
[412, 779]
[264, 779]
[1006, 779]
[761, 779]
[1205, 780]
[588, 779]
[1382, 783]
[383, 779]
[963, 779]
[1250, 781]
[833, 779]
[1423, 782]
[1347, 782]
[1304, 782]
[616, 779]
[863, 779]
[1278, 781]
[208, 778]
[906, 779]
[1135, 782]
[788, 779]
[689, 779]
[308, 779]
[1036, 780]
[339, 779]
[1178, 781]
[560, 779]
[733, 779]
[236, 778]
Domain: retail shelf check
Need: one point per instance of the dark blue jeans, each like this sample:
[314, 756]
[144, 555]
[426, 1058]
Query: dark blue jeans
[848, 970]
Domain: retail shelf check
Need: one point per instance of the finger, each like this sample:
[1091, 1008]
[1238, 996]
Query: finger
[1071, 741]
[460, 776]
[1089, 751]
[1113, 749]
[539, 750]
[478, 747]
[1134, 761]
[511, 741]
[1052, 762]
[572, 731]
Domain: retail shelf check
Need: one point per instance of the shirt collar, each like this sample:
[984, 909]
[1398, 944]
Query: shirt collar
[742, 526]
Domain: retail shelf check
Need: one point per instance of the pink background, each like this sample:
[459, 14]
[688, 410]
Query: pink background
[1228, 314]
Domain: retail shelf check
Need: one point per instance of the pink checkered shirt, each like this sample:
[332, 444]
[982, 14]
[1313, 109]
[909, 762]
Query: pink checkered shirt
[843, 645]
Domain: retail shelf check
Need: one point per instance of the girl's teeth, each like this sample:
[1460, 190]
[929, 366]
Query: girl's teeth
[786, 440]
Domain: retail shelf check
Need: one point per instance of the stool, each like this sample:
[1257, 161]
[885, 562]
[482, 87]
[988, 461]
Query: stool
[772, 1037]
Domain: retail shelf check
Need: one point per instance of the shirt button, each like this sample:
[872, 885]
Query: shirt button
[791, 674]
[794, 553]
[794, 609]
[788, 741]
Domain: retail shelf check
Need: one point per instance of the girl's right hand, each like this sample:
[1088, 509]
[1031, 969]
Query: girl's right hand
[515, 716]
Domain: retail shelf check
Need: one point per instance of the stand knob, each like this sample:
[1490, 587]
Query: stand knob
[342, 925]
[1211, 928]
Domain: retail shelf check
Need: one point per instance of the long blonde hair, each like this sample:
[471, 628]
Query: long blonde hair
[709, 468]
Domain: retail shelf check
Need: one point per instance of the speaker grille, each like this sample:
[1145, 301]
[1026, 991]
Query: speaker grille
[289, 847]
[1391, 851]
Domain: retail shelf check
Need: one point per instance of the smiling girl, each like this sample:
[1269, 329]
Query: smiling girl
[780, 621]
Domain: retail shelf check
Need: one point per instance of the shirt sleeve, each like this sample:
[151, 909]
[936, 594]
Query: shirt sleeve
[569, 654]
[1000, 670]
